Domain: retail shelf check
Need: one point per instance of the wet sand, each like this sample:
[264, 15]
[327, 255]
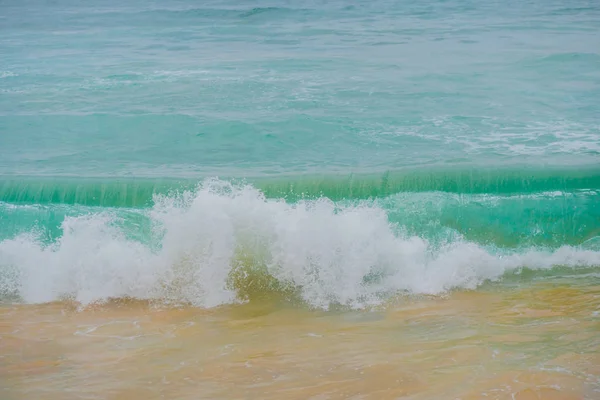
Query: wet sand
[539, 342]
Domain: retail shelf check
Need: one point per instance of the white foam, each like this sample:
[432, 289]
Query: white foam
[7, 74]
[349, 255]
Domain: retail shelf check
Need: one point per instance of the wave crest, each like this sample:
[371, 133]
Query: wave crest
[225, 243]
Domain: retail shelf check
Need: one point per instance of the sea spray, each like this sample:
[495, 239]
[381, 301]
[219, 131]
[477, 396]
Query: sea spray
[225, 243]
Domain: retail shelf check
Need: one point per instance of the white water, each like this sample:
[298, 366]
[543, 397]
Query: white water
[350, 255]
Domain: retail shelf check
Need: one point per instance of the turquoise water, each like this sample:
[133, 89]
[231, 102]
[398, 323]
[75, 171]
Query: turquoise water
[349, 149]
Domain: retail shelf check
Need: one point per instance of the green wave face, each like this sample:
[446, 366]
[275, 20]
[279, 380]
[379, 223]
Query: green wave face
[494, 207]
[131, 192]
[503, 208]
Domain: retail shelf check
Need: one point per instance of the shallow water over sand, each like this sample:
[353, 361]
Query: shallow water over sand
[540, 342]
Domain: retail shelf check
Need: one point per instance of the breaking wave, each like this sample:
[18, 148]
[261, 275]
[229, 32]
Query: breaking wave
[224, 243]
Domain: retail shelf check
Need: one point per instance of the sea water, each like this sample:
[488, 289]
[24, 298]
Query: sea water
[334, 157]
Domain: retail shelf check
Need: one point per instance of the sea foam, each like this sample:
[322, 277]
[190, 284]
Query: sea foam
[224, 243]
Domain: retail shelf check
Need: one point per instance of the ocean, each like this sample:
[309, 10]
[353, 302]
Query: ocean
[317, 199]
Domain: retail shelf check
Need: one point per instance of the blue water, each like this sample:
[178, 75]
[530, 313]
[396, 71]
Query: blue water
[155, 88]
[459, 123]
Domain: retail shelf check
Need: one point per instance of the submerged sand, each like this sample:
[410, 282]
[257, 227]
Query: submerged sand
[539, 342]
